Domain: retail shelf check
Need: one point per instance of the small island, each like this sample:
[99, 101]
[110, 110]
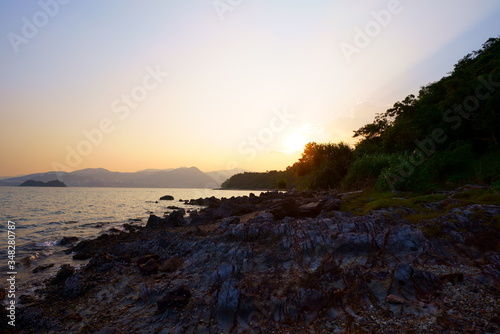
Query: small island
[33, 183]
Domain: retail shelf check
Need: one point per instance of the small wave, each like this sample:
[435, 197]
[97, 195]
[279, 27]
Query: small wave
[50, 243]
[70, 222]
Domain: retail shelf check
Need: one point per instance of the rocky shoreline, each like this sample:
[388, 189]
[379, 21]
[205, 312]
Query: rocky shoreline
[280, 263]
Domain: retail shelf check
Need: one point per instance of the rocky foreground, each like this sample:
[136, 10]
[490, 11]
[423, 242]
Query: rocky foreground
[281, 263]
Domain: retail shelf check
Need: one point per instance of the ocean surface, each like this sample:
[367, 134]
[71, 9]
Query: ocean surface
[43, 216]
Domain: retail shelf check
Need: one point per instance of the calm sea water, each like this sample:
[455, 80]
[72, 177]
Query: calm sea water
[43, 216]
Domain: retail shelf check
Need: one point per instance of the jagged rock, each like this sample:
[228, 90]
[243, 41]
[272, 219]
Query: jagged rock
[176, 298]
[155, 222]
[273, 270]
[174, 219]
[227, 304]
[230, 221]
[64, 272]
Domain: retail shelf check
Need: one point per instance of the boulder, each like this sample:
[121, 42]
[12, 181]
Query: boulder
[67, 240]
[167, 198]
[174, 219]
[148, 264]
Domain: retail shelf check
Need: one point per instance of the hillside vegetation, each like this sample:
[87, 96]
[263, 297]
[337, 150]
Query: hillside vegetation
[446, 136]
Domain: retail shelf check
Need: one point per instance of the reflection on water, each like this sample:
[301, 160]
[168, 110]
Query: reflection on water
[43, 216]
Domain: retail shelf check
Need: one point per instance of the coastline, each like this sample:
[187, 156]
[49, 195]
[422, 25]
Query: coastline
[283, 261]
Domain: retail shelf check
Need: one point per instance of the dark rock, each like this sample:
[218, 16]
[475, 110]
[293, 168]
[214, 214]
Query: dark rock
[170, 265]
[26, 299]
[42, 268]
[311, 209]
[148, 264]
[67, 240]
[174, 219]
[176, 298]
[229, 221]
[167, 198]
[64, 272]
[414, 284]
[75, 286]
[82, 256]
[155, 222]
[285, 208]
[108, 330]
[452, 278]
[227, 303]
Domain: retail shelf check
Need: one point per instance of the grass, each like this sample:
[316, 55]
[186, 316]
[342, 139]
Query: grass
[370, 199]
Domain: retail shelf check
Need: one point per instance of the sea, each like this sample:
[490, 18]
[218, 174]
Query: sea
[43, 216]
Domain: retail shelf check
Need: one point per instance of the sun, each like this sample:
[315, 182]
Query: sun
[295, 142]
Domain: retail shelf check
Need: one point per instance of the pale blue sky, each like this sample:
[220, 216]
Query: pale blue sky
[226, 77]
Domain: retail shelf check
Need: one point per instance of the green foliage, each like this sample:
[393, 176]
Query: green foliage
[444, 137]
[326, 164]
[366, 169]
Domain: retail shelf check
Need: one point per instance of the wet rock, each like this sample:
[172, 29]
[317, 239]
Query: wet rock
[82, 256]
[155, 222]
[67, 240]
[174, 219]
[167, 198]
[42, 268]
[64, 273]
[176, 298]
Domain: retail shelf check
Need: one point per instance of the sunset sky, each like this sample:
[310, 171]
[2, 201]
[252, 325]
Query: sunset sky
[130, 85]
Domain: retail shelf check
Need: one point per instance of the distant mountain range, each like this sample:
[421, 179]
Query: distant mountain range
[185, 177]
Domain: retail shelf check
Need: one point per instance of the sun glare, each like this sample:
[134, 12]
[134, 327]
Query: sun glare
[295, 142]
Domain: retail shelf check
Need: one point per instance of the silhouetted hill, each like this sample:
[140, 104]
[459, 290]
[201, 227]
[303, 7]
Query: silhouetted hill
[185, 177]
[33, 183]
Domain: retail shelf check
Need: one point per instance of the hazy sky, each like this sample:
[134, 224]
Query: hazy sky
[129, 85]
